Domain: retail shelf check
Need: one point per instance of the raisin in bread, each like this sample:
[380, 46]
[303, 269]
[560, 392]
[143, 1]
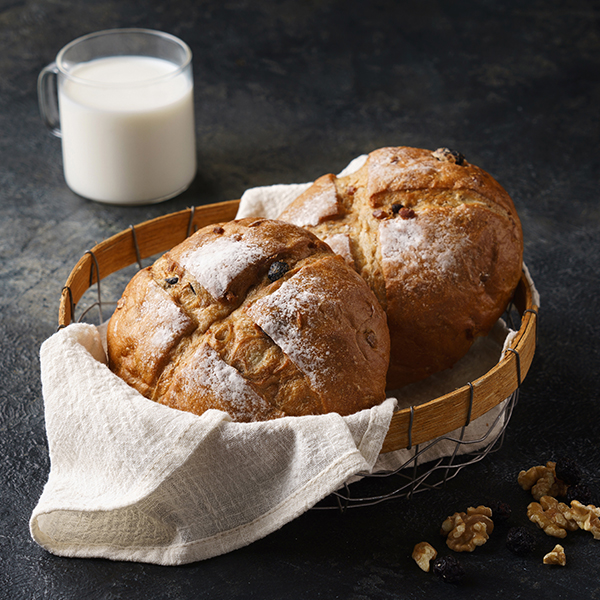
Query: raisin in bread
[255, 317]
[437, 239]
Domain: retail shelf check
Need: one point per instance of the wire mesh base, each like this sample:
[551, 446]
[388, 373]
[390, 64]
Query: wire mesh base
[417, 473]
[415, 476]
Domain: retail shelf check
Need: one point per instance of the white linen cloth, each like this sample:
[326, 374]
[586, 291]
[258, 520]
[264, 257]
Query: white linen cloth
[133, 480]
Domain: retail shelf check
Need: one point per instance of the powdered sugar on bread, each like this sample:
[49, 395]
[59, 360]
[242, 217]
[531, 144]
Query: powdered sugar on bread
[385, 175]
[216, 264]
[207, 374]
[286, 315]
[168, 321]
[407, 246]
[340, 244]
[325, 206]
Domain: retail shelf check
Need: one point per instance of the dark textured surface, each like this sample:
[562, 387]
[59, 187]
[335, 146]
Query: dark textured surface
[286, 91]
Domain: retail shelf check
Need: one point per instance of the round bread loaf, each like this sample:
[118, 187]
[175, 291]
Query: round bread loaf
[255, 317]
[437, 239]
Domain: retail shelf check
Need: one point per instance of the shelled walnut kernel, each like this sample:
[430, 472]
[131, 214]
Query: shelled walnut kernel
[556, 556]
[542, 481]
[549, 514]
[466, 531]
[586, 517]
[423, 553]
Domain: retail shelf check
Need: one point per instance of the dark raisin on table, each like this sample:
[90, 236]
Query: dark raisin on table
[567, 470]
[581, 493]
[448, 569]
[501, 512]
[520, 540]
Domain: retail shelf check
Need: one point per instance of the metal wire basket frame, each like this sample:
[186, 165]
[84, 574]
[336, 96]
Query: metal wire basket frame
[417, 428]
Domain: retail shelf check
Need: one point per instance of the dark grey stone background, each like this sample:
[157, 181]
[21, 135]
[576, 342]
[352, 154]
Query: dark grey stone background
[286, 91]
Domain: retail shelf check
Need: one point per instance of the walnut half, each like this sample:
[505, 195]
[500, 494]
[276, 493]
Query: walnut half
[466, 531]
[549, 514]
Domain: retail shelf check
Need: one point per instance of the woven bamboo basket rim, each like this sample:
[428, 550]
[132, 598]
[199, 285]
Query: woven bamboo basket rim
[410, 426]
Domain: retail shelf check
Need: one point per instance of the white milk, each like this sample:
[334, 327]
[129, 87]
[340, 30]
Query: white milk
[133, 141]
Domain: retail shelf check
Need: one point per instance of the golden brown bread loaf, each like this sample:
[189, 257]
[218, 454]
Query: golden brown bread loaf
[255, 317]
[437, 239]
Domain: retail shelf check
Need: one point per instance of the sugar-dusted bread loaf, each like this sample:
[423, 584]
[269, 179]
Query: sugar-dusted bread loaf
[437, 239]
[255, 317]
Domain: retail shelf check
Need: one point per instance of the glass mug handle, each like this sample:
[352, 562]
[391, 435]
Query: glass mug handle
[48, 98]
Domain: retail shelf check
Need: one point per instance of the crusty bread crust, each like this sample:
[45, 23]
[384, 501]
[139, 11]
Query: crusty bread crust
[438, 240]
[255, 317]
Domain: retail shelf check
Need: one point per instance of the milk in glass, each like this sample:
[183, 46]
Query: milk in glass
[128, 129]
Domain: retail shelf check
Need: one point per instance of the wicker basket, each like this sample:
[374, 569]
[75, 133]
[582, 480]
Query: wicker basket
[409, 427]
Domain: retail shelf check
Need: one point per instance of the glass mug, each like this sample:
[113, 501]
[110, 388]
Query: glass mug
[122, 102]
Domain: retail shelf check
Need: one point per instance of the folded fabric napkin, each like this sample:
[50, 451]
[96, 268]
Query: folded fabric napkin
[131, 479]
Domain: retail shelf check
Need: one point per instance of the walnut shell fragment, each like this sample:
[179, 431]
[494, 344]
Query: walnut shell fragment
[466, 531]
